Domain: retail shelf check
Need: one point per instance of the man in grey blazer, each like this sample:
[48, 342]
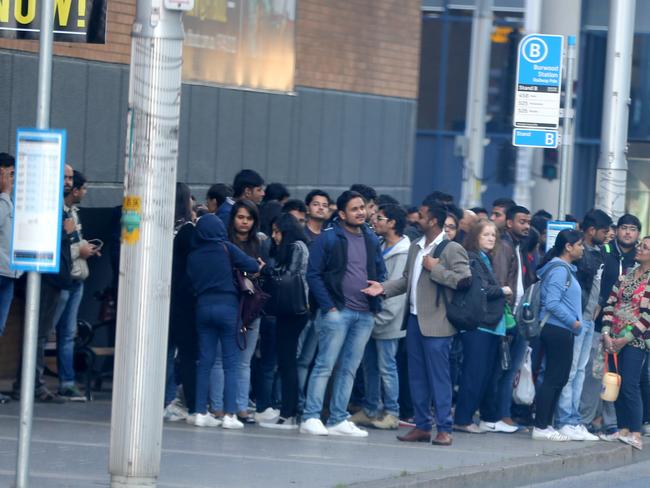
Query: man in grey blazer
[428, 331]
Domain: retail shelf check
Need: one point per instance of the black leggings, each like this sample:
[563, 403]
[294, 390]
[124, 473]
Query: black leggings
[558, 346]
[288, 330]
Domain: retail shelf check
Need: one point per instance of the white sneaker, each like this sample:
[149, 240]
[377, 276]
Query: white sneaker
[268, 415]
[571, 432]
[206, 420]
[499, 426]
[586, 435]
[231, 422]
[281, 423]
[313, 427]
[174, 412]
[347, 428]
[549, 434]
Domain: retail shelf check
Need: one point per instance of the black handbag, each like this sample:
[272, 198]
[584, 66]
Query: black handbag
[287, 292]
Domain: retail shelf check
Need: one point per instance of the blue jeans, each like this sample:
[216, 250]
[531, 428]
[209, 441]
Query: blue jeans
[243, 372]
[505, 378]
[429, 377]
[6, 296]
[568, 407]
[629, 404]
[307, 347]
[65, 319]
[380, 369]
[343, 335]
[216, 324]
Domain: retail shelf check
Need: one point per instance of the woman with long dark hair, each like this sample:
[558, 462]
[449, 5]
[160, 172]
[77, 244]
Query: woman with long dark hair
[561, 308]
[290, 255]
[626, 331]
[210, 271]
[481, 346]
[243, 232]
[182, 327]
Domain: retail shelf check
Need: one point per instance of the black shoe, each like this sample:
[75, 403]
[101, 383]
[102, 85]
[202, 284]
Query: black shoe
[72, 393]
[4, 399]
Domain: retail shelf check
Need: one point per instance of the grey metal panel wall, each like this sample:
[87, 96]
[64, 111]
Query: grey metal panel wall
[316, 138]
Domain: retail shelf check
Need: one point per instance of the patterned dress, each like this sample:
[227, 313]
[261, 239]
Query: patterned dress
[627, 313]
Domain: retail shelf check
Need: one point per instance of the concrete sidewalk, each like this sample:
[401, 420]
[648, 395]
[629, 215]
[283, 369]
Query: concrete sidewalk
[70, 449]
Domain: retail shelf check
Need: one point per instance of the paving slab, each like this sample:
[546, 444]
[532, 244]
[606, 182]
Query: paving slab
[71, 442]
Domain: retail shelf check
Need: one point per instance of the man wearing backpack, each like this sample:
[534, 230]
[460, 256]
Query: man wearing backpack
[590, 268]
[429, 333]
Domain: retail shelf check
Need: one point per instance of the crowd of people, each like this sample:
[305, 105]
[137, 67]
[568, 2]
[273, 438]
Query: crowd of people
[332, 316]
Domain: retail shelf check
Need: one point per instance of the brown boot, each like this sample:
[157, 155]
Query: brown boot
[442, 439]
[415, 435]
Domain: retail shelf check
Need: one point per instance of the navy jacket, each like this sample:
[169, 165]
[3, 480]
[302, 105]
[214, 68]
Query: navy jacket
[328, 260]
[210, 263]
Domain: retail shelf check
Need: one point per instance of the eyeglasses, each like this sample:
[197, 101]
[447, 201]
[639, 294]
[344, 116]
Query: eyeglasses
[642, 247]
[381, 217]
[630, 228]
[449, 227]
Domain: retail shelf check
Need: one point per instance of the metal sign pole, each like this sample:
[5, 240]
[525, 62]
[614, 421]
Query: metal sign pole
[30, 336]
[566, 149]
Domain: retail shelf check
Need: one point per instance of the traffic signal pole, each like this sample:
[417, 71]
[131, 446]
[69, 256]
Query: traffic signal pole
[611, 177]
[146, 250]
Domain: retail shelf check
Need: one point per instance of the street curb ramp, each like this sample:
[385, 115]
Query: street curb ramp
[549, 466]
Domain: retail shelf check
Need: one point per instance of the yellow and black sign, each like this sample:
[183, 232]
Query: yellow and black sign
[74, 20]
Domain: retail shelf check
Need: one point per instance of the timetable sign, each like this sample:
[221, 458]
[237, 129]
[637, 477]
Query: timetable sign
[539, 82]
[38, 200]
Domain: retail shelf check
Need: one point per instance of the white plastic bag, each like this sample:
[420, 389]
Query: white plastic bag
[523, 392]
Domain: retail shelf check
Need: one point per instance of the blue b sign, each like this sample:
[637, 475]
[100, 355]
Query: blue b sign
[535, 138]
[539, 81]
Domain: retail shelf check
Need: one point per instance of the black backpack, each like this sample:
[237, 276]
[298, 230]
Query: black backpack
[470, 308]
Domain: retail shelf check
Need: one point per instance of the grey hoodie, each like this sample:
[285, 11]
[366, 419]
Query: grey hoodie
[6, 223]
[388, 322]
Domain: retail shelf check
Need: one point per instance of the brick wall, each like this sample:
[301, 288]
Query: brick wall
[118, 38]
[363, 46]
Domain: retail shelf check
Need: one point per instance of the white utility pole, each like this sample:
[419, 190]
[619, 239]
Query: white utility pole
[473, 147]
[526, 155]
[147, 236]
[611, 179]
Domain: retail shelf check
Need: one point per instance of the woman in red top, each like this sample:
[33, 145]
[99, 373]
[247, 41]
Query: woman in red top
[626, 331]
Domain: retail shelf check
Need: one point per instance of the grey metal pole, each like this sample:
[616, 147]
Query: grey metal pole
[611, 177]
[479, 72]
[30, 335]
[566, 149]
[146, 253]
[522, 193]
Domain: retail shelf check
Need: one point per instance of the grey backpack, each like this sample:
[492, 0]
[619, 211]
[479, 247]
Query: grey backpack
[529, 322]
